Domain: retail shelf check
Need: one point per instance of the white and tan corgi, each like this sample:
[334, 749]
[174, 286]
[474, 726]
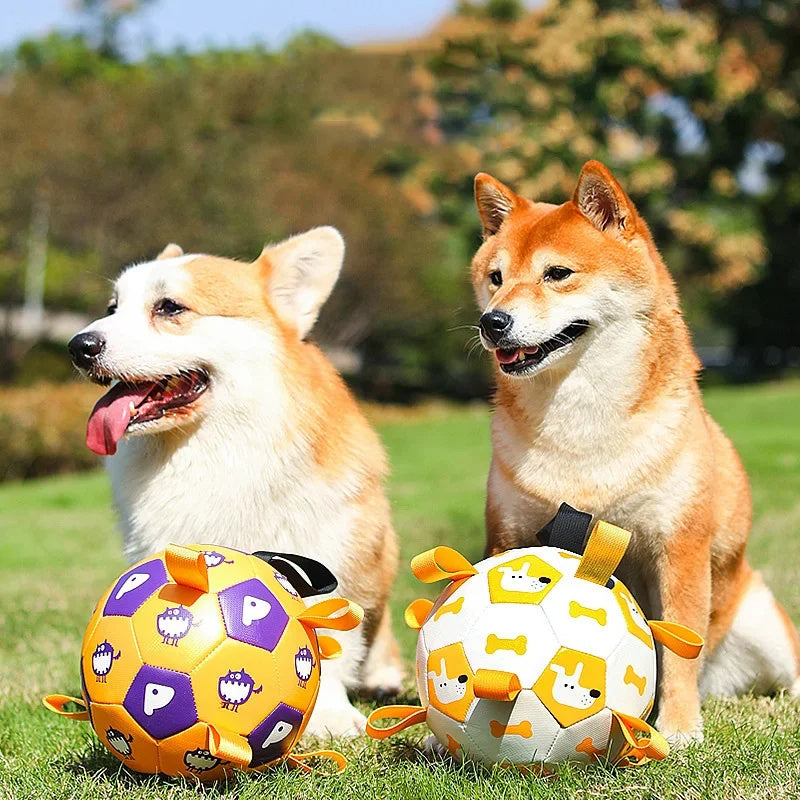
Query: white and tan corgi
[597, 404]
[225, 426]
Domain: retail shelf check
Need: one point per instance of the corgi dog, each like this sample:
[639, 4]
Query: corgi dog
[224, 425]
[597, 404]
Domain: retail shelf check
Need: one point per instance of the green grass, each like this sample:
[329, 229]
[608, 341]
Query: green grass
[59, 550]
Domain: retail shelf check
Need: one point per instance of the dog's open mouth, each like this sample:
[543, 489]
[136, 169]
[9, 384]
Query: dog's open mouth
[127, 404]
[517, 360]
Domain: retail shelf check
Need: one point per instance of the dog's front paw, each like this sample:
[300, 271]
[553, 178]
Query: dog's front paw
[386, 681]
[336, 721]
[680, 735]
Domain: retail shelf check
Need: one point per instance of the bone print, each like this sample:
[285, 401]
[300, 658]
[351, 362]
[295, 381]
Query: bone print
[597, 614]
[587, 746]
[522, 729]
[494, 643]
[639, 681]
[449, 608]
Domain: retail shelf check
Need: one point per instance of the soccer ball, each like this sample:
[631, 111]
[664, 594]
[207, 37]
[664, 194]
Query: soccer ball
[529, 658]
[203, 658]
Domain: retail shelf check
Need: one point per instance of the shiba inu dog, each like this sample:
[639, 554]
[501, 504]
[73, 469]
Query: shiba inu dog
[224, 425]
[597, 404]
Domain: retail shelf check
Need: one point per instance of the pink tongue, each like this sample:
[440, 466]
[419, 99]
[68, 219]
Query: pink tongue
[506, 356]
[111, 415]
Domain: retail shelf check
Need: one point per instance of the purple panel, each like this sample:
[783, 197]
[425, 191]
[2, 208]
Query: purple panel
[134, 587]
[253, 614]
[275, 735]
[161, 701]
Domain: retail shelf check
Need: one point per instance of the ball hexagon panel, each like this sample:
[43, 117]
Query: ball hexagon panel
[134, 587]
[187, 753]
[450, 681]
[634, 618]
[522, 578]
[112, 659]
[125, 738]
[584, 741]
[161, 701]
[225, 566]
[573, 686]
[236, 686]
[450, 734]
[298, 666]
[177, 627]
[517, 732]
[275, 736]
[586, 616]
[253, 614]
[631, 677]
[459, 607]
[515, 639]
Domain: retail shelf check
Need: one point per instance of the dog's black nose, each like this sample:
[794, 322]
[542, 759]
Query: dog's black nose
[495, 325]
[84, 348]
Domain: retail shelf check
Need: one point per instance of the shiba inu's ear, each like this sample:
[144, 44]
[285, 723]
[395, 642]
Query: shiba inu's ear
[172, 250]
[300, 272]
[495, 202]
[602, 200]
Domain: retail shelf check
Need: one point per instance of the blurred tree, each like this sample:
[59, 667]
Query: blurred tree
[105, 18]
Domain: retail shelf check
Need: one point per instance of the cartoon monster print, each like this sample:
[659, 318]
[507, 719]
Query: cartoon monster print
[519, 580]
[448, 690]
[103, 659]
[284, 581]
[567, 689]
[174, 623]
[235, 688]
[214, 559]
[120, 742]
[304, 663]
[200, 760]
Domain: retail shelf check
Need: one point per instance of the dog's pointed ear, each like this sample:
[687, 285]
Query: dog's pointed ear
[301, 272]
[495, 202]
[603, 201]
[172, 250]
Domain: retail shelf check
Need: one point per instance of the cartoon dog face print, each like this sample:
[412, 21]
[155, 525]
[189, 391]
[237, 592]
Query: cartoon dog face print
[634, 619]
[572, 686]
[525, 579]
[567, 688]
[520, 581]
[448, 690]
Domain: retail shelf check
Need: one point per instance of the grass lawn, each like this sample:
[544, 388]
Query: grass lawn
[59, 550]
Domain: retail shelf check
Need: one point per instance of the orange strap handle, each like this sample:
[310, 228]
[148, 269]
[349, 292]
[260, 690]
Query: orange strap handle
[441, 563]
[681, 640]
[495, 684]
[407, 716]
[336, 614]
[604, 550]
[417, 612]
[338, 759]
[642, 742]
[56, 703]
[229, 746]
[329, 648]
[187, 567]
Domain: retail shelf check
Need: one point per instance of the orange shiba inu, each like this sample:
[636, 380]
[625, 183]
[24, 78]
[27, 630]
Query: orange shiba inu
[225, 426]
[597, 404]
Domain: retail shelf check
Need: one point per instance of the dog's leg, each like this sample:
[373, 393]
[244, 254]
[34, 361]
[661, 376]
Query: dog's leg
[382, 672]
[760, 651]
[684, 586]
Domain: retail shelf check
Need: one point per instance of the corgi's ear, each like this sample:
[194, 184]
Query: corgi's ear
[495, 202]
[172, 250]
[602, 200]
[301, 272]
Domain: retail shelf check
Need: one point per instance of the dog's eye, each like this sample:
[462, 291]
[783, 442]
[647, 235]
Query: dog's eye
[496, 277]
[168, 308]
[557, 273]
[112, 307]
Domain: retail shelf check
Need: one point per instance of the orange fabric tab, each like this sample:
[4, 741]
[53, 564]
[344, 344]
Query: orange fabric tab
[329, 648]
[681, 640]
[441, 563]
[336, 614]
[229, 746]
[495, 684]
[56, 703]
[642, 742]
[407, 716]
[187, 567]
[338, 759]
[417, 612]
[604, 550]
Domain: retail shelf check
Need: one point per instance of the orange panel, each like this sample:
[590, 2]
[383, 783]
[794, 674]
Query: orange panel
[110, 659]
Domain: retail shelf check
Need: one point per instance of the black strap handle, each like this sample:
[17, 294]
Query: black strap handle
[567, 530]
[307, 576]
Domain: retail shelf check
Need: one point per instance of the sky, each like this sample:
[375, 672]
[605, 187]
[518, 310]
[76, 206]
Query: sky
[196, 24]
